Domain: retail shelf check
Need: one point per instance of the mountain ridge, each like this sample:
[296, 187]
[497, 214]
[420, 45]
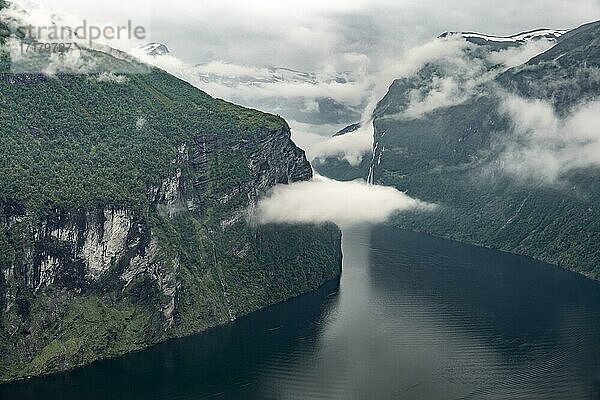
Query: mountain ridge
[449, 155]
[517, 39]
[123, 202]
[443, 157]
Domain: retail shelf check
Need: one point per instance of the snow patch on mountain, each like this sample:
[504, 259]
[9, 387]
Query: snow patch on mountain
[155, 49]
[517, 39]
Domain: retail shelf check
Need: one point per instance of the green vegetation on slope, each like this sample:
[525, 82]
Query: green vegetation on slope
[77, 146]
[448, 157]
[77, 142]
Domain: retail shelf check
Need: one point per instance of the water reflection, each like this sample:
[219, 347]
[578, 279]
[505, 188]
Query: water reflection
[412, 318]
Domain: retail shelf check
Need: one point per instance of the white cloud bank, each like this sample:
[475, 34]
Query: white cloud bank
[350, 147]
[325, 200]
[460, 75]
[544, 146]
[515, 56]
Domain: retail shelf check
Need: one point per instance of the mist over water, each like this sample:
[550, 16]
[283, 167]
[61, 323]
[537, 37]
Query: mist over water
[412, 317]
[326, 200]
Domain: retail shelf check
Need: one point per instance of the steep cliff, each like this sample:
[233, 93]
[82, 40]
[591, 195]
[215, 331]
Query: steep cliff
[507, 146]
[486, 168]
[123, 197]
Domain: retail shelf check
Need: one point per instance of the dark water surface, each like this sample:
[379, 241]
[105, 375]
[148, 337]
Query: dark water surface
[413, 317]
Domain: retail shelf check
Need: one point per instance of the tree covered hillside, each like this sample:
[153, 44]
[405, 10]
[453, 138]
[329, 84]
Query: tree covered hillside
[503, 179]
[123, 200]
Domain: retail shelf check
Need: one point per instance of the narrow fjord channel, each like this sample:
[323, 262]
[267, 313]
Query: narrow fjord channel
[413, 317]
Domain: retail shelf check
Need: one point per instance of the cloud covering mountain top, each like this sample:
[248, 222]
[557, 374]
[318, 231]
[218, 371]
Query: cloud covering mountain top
[309, 35]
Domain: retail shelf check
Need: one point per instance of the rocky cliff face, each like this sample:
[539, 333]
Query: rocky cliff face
[119, 258]
[122, 215]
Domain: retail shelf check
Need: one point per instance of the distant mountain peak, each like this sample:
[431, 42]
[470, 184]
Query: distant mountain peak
[155, 49]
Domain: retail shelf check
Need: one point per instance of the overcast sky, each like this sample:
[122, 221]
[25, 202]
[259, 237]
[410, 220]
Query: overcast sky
[314, 34]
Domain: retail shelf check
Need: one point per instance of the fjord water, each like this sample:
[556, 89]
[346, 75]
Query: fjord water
[413, 317]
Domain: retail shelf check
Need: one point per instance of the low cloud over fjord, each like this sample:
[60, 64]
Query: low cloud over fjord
[325, 200]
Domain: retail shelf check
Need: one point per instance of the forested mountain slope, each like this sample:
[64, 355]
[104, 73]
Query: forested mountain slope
[514, 165]
[123, 197]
